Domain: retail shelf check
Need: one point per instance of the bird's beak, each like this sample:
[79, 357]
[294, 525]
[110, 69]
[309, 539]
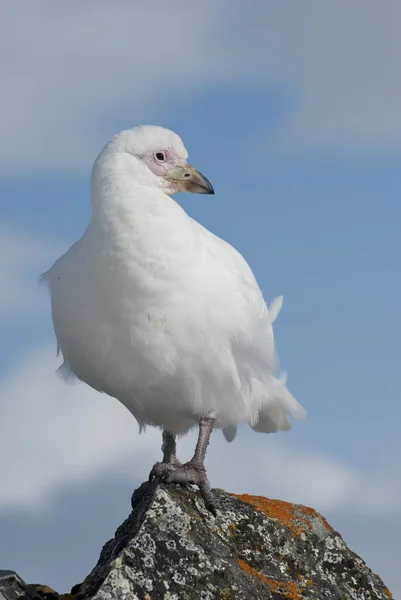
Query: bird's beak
[188, 179]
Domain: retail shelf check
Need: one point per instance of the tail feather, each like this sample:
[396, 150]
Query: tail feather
[275, 307]
[272, 420]
[280, 404]
[67, 374]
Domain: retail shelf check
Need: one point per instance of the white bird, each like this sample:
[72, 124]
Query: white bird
[153, 309]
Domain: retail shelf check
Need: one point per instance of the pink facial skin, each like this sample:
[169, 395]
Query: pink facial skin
[162, 162]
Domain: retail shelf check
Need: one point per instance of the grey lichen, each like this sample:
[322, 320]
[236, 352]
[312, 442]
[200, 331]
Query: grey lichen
[173, 549]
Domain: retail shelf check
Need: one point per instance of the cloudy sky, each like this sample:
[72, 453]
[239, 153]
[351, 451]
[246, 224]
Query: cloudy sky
[292, 110]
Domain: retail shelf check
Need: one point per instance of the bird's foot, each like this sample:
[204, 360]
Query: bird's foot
[161, 468]
[191, 472]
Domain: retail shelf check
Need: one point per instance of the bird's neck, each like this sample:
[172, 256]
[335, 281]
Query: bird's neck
[132, 216]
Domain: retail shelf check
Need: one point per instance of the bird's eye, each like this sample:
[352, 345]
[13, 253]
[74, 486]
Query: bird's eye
[160, 156]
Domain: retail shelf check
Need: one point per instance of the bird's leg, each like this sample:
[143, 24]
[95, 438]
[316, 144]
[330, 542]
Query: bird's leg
[205, 429]
[193, 471]
[169, 448]
[170, 460]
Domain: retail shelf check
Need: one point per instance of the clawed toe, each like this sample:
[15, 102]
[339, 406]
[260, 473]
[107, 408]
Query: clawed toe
[161, 470]
[191, 472]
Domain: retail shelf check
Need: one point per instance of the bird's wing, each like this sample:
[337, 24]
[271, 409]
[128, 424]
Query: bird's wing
[227, 254]
[246, 284]
[253, 343]
[251, 321]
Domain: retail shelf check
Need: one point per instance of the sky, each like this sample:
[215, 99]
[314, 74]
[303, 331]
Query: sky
[292, 110]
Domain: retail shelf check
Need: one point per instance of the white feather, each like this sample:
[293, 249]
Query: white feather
[67, 374]
[274, 307]
[155, 310]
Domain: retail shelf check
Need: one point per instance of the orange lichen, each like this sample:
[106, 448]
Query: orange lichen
[290, 589]
[386, 590]
[276, 509]
[251, 571]
[307, 511]
[45, 590]
[293, 517]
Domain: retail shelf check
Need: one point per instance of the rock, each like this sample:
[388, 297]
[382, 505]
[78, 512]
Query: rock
[171, 548]
[12, 587]
[41, 592]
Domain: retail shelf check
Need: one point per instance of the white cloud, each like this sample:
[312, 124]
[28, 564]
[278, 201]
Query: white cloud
[53, 436]
[66, 69]
[24, 256]
[58, 434]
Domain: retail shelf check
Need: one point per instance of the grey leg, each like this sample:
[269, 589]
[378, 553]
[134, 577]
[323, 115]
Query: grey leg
[169, 448]
[205, 429]
[170, 460]
[193, 471]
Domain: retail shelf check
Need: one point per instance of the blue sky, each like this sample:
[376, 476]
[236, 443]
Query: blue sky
[293, 114]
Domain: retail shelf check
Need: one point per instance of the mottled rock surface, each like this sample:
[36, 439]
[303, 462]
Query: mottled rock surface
[171, 548]
[12, 587]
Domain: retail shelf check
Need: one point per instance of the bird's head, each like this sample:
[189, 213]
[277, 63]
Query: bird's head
[152, 156]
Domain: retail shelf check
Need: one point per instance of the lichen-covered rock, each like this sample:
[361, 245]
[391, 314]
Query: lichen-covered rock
[12, 587]
[173, 549]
